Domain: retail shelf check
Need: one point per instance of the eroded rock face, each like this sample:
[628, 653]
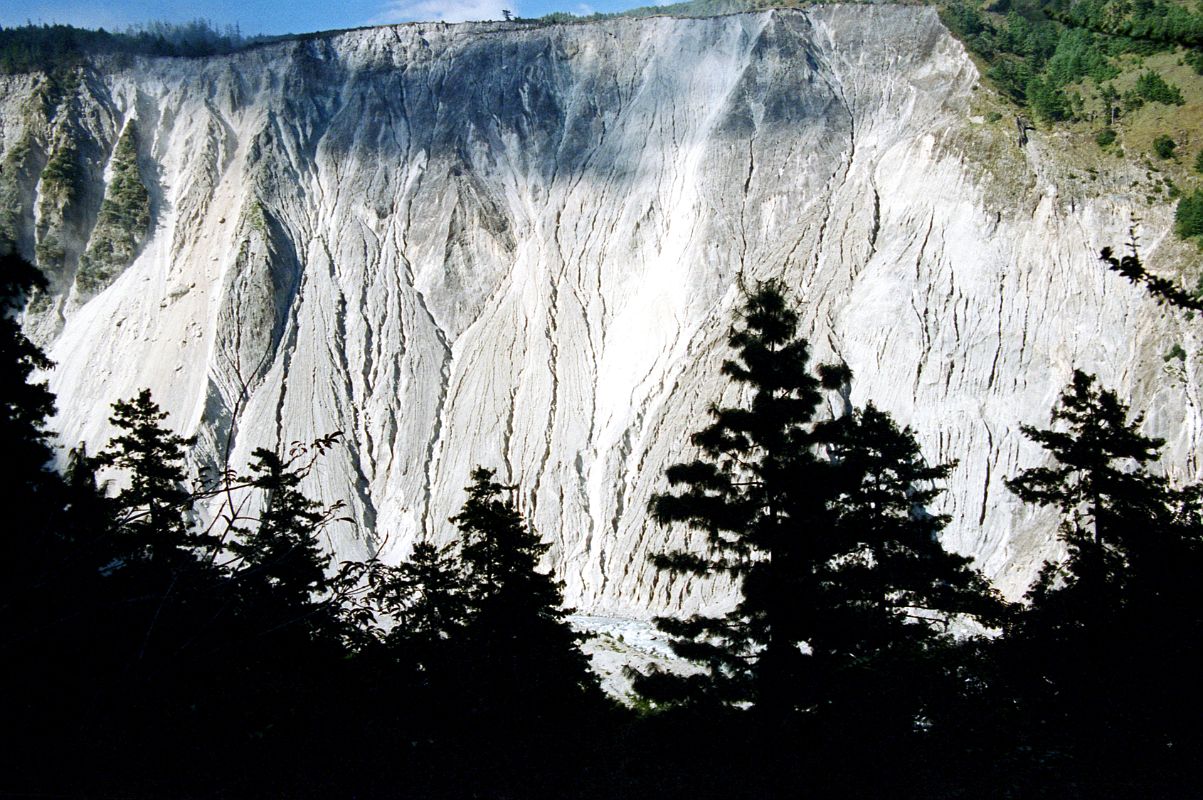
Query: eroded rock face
[521, 247]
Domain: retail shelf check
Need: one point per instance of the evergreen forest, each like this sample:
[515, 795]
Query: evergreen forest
[55, 48]
[155, 647]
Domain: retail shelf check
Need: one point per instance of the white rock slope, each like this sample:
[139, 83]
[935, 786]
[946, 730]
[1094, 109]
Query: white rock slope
[520, 246]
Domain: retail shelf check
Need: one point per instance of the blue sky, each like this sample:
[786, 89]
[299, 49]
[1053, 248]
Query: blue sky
[286, 16]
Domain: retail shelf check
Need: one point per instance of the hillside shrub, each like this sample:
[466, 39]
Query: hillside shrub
[123, 220]
[1011, 77]
[1105, 137]
[1164, 146]
[1153, 87]
[62, 175]
[1048, 101]
[1195, 59]
[1188, 217]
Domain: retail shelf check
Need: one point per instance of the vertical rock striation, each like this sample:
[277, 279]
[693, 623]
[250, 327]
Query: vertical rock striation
[521, 245]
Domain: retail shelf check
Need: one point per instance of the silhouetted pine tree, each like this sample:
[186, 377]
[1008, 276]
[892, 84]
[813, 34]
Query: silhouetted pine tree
[410, 617]
[1100, 485]
[824, 527]
[155, 504]
[1162, 289]
[49, 568]
[23, 436]
[427, 598]
[758, 496]
[1105, 661]
[524, 653]
[280, 550]
[27, 404]
[881, 634]
[433, 582]
[42, 538]
[407, 636]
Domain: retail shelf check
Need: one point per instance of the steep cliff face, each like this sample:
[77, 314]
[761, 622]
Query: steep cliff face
[520, 246]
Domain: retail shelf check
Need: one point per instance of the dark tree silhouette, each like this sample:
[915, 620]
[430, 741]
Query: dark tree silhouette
[1104, 661]
[1163, 289]
[281, 548]
[1100, 486]
[27, 403]
[47, 570]
[414, 613]
[525, 652]
[882, 638]
[155, 505]
[756, 495]
[823, 525]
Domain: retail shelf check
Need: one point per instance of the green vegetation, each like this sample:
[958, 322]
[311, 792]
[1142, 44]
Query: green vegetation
[1029, 57]
[62, 174]
[234, 658]
[58, 48]
[1152, 87]
[59, 186]
[557, 18]
[50, 252]
[1149, 21]
[1049, 101]
[1094, 61]
[14, 175]
[1199, 161]
[256, 216]
[1188, 217]
[1109, 70]
[123, 221]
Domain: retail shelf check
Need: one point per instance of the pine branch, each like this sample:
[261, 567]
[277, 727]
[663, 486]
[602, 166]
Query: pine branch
[1162, 289]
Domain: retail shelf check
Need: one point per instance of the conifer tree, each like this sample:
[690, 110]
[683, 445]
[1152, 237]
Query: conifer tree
[37, 538]
[155, 506]
[413, 608]
[821, 523]
[1162, 289]
[27, 403]
[1105, 660]
[882, 636]
[1101, 486]
[45, 577]
[756, 496]
[517, 632]
[893, 580]
[55, 532]
[431, 598]
[281, 548]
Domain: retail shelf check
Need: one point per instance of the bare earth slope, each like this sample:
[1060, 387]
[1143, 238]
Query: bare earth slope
[520, 246]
